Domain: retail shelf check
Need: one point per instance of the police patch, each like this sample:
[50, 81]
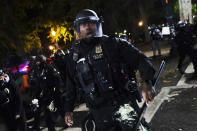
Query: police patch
[98, 56]
[98, 49]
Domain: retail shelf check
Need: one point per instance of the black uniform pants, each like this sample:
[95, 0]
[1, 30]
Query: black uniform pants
[48, 114]
[48, 118]
[183, 51]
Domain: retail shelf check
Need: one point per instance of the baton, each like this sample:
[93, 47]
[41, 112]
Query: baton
[143, 109]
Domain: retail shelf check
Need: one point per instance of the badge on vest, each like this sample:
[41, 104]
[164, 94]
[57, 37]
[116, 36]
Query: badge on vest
[98, 53]
[98, 49]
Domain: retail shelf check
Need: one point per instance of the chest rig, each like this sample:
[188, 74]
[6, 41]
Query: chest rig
[93, 71]
[102, 78]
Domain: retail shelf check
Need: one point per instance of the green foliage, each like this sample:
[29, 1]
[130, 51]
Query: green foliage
[176, 9]
[175, 12]
[26, 22]
[32, 42]
[62, 31]
[42, 15]
[194, 10]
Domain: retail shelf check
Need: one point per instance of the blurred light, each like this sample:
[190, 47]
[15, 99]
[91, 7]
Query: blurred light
[14, 70]
[166, 1]
[24, 67]
[140, 23]
[53, 33]
[51, 47]
[125, 31]
[116, 33]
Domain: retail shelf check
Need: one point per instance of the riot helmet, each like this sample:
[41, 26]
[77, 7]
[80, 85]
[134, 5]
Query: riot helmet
[180, 26]
[181, 23]
[124, 36]
[40, 58]
[40, 61]
[59, 53]
[88, 16]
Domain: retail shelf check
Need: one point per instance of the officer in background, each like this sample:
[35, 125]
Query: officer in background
[47, 95]
[185, 41]
[124, 36]
[11, 104]
[95, 66]
[155, 35]
[59, 60]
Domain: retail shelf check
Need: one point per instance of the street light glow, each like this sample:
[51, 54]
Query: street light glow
[53, 33]
[125, 31]
[51, 47]
[140, 23]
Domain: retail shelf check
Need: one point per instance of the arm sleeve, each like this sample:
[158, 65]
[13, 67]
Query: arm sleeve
[56, 76]
[137, 59]
[70, 94]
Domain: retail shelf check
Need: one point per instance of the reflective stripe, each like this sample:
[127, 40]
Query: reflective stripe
[94, 125]
[86, 125]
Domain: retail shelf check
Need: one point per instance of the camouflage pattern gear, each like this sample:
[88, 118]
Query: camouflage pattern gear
[127, 116]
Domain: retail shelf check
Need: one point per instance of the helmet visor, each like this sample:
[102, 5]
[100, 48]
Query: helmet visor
[89, 20]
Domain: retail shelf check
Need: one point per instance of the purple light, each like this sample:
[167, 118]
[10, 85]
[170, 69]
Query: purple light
[23, 68]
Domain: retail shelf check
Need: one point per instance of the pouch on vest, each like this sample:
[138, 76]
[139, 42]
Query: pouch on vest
[85, 77]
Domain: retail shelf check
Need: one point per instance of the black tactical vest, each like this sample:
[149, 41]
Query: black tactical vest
[100, 78]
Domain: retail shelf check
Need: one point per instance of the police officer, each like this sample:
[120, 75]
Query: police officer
[45, 78]
[59, 60]
[155, 35]
[11, 105]
[185, 41]
[94, 66]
